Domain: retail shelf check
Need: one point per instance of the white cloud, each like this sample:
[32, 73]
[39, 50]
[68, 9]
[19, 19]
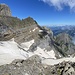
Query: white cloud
[59, 4]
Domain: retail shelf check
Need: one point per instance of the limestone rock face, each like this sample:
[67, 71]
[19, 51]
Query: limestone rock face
[4, 10]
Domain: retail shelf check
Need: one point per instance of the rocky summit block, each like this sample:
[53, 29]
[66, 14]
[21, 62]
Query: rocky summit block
[5, 10]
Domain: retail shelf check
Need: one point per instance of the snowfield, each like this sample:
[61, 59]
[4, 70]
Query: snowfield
[10, 50]
[27, 45]
[44, 53]
[56, 61]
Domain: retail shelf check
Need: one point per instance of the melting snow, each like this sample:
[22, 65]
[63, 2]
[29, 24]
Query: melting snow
[35, 29]
[40, 31]
[10, 51]
[56, 61]
[26, 45]
[44, 53]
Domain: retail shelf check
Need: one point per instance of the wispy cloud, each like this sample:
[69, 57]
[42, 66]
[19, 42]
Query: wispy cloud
[59, 4]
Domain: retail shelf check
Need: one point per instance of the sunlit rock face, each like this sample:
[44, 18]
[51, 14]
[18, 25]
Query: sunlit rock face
[4, 10]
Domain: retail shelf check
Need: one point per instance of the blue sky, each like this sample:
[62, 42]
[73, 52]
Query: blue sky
[45, 12]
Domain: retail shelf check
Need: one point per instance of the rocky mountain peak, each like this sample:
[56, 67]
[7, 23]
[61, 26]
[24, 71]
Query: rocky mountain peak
[29, 21]
[4, 10]
[63, 37]
[65, 42]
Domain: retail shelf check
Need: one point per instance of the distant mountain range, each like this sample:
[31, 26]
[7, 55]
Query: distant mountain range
[69, 29]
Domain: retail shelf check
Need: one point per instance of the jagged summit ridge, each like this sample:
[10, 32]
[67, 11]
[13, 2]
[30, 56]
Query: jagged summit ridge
[4, 10]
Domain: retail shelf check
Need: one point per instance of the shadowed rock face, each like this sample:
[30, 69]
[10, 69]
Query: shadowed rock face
[64, 38]
[65, 42]
[4, 10]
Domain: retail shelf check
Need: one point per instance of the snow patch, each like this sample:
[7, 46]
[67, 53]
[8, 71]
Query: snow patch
[40, 31]
[9, 51]
[60, 56]
[57, 61]
[35, 29]
[51, 53]
[44, 53]
[26, 45]
[26, 74]
[30, 31]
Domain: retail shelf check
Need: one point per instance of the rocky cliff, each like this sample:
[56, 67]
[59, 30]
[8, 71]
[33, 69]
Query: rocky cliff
[4, 10]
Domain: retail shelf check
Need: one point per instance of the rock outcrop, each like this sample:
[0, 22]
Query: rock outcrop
[5, 32]
[4, 10]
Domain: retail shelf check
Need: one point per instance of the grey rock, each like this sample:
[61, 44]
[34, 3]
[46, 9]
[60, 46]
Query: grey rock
[68, 70]
[5, 32]
[5, 10]
[48, 31]
[64, 41]
[64, 38]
